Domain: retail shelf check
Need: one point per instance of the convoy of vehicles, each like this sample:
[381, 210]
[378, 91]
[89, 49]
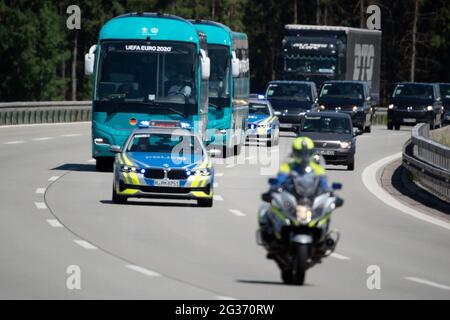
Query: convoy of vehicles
[263, 124]
[295, 225]
[412, 103]
[291, 100]
[333, 136]
[350, 97]
[166, 90]
[321, 53]
[229, 86]
[163, 162]
[144, 70]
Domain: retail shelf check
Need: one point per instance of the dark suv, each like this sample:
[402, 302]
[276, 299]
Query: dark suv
[291, 100]
[414, 102]
[350, 97]
[444, 89]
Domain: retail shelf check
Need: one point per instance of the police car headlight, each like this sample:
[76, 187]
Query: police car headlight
[125, 168]
[304, 214]
[345, 144]
[201, 172]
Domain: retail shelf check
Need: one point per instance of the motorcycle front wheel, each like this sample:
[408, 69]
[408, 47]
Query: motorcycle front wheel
[300, 264]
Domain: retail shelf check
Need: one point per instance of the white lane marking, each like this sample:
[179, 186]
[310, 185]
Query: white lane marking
[40, 205]
[237, 213]
[85, 244]
[43, 139]
[14, 142]
[218, 174]
[339, 256]
[54, 178]
[224, 298]
[40, 190]
[250, 158]
[369, 178]
[44, 124]
[428, 283]
[231, 166]
[54, 223]
[143, 270]
[70, 135]
[217, 197]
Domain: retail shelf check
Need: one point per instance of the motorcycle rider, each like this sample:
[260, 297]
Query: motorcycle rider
[303, 160]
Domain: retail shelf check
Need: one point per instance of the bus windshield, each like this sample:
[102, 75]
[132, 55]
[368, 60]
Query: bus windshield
[219, 90]
[308, 63]
[136, 74]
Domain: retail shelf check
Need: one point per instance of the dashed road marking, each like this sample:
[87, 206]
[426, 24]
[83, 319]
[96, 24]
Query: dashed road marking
[40, 205]
[144, 271]
[339, 256]
[54, 178]
[43, 139]
[428, 283]
[54, 223]
[218, 197]
[40, 190]
[85, 244]
[218, 174]
[224, 298]
[70, 135]
[232, 165]
[14, 142]
[237, 213]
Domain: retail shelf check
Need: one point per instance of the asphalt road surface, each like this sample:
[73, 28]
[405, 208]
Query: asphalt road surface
[56, 212]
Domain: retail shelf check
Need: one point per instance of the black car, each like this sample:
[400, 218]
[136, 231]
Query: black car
[350, 97]
[444, 89]
[414, 102]
[332, 133]
[291, 99]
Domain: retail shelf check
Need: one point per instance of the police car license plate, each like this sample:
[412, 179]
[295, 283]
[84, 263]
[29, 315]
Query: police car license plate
[167, 183]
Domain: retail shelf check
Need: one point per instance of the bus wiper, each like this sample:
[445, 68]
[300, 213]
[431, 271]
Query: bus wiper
[155, 105]
[215, 106]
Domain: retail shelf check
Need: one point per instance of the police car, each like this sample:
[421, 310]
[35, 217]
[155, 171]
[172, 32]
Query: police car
[166, 162]
[263, 125]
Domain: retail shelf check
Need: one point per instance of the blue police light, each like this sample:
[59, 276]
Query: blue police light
[185, 125]
[142, 171]
[188, 173]
[144, 123]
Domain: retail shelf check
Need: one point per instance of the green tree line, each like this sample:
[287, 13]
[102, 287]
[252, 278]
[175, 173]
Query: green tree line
[41, 59]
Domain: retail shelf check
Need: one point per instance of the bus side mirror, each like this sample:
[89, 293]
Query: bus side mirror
[115, 149]
[89, 60]
[206, 65]
[235, 65]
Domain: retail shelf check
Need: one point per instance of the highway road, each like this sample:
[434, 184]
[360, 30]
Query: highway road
[56, 211]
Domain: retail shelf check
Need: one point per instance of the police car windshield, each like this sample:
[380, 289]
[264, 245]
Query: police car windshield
[177, 145]
[258, 109]
[326, 125]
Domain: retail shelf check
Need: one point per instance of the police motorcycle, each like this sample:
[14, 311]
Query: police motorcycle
[294, 223]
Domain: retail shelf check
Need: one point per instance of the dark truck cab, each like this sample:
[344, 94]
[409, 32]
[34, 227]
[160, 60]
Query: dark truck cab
[445, 96]
[350, 97]
[412, 103]
[290, 100]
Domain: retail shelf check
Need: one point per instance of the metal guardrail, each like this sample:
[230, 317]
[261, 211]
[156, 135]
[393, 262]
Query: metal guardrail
[428, 161]
[12, 113]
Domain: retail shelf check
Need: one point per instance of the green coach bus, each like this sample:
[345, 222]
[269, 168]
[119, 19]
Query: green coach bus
[148, 68]
[229, 86]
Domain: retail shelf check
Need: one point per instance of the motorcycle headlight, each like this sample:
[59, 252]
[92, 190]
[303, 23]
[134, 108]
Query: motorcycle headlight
[304, 214]
[345, 144]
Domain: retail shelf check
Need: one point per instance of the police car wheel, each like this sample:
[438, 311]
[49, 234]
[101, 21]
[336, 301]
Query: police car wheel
[205, 203]
[118, 198]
